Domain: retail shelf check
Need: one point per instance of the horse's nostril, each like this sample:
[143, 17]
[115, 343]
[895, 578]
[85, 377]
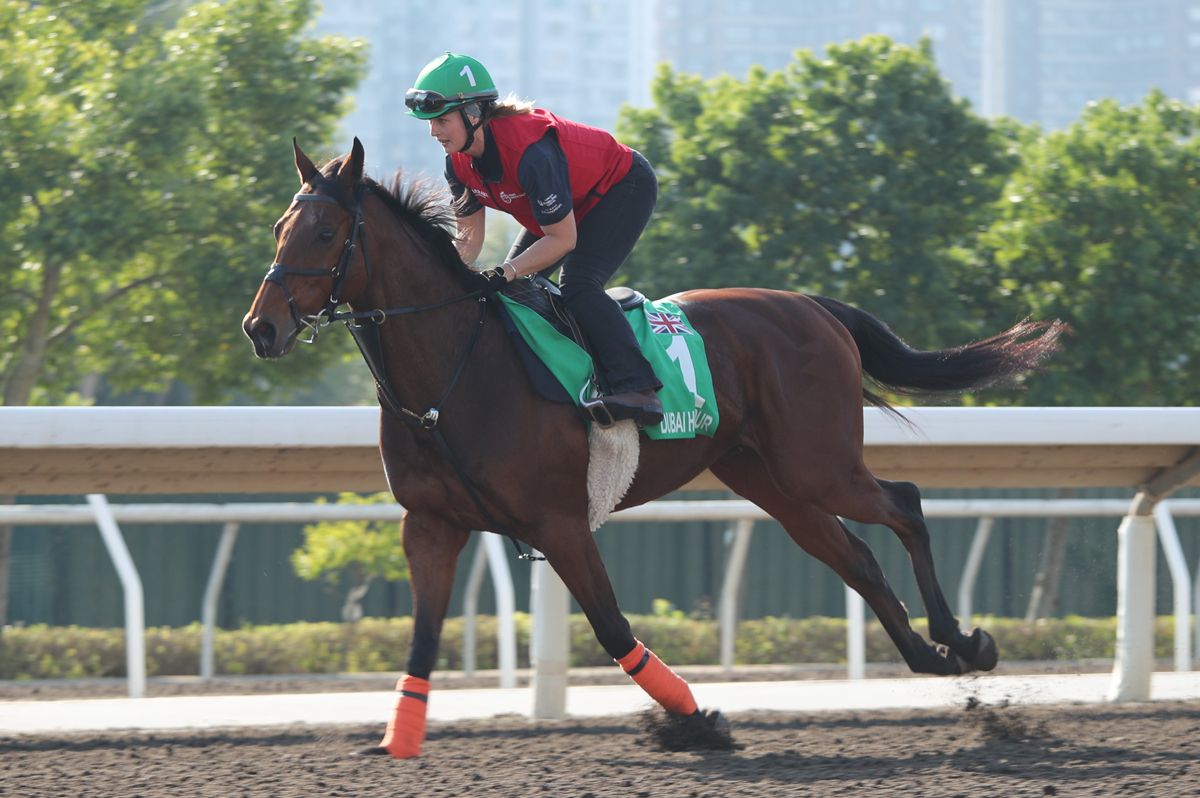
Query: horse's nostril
[265, 332]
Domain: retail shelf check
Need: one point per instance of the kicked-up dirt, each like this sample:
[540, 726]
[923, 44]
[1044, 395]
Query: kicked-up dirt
[1142, 749]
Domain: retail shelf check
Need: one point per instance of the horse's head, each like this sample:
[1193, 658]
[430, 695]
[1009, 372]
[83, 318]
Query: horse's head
[319, 258]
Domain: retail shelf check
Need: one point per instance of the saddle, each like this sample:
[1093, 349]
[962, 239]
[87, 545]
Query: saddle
[544, 297]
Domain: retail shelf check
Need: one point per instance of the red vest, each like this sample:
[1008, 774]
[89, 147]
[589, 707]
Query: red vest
[595, 159]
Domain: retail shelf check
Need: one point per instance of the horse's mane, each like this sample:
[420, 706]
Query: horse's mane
[421, 205]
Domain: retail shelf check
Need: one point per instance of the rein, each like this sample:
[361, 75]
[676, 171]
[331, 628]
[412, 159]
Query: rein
[366, 336]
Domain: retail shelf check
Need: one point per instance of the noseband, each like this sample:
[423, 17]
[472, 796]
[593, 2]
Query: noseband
[339, 272]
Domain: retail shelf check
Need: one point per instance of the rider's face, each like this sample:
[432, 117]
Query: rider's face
[450, 131]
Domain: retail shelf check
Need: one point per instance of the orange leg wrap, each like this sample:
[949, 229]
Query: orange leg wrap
[663, 684]
[406, 727]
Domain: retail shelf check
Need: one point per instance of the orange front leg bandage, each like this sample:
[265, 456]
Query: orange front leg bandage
[662, 684]
[406, 727]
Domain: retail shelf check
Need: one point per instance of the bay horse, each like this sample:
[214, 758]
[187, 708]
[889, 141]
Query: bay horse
[492, 454]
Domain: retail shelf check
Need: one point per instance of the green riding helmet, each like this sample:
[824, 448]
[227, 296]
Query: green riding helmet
[448, 82]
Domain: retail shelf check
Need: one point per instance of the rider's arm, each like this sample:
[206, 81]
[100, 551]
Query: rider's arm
[470, 235]
[546, 178]
[468, 216]
[559, 239]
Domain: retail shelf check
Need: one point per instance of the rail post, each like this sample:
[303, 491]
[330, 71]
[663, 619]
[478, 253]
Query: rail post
[731, 588]
[131, 584]
[212, 594]
[550, 646]
[505, 607]
[470, 605]
[1181, 585]
[856, 635]
[966, 588]
[1135, 581]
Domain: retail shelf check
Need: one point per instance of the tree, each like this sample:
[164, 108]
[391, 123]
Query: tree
[854, 176]
[360, 551]
[144, 162]
[1098, 228]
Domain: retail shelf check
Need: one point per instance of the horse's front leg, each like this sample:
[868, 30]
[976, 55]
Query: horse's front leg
[571, 551]
[431, 546]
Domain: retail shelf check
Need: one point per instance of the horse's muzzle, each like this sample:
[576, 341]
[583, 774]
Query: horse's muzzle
[268, 344]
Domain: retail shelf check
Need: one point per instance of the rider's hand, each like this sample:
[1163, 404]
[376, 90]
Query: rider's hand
[486, 281]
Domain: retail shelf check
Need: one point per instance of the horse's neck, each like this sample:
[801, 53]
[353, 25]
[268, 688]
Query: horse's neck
[423, 350]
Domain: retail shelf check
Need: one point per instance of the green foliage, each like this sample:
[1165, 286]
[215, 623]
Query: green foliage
[853, 176]
[332, 546]
[359, 550]
[145, 158]
[381, 644]
[665, 609]
[1097, 227]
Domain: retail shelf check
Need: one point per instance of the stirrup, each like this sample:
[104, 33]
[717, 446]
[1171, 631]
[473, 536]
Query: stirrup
[598, 411]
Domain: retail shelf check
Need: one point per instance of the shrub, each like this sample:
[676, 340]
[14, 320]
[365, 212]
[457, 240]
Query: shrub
[381, 644]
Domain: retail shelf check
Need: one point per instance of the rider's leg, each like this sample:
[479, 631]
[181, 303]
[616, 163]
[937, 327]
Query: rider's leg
[604, 240]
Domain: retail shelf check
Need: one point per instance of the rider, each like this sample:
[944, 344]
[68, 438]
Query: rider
[583, 198]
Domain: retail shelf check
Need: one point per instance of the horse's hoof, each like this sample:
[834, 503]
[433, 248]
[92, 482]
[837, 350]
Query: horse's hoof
[714, 719]
[703, 730]
[988, 654]
[958, 665]
[375, 750]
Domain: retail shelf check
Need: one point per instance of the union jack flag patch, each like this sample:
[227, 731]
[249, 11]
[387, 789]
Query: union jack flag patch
[669, 323]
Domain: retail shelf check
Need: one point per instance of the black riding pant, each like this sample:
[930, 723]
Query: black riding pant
[603, 241]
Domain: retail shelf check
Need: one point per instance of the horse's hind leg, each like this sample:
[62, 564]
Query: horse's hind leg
[571, 551]
[977, 650]
[823, 536]
[431, 546]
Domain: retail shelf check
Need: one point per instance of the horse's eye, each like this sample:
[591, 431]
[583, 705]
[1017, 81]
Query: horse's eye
[326, 236]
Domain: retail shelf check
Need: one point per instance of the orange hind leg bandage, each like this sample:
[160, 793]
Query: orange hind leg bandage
[406, 727]
[662, 684]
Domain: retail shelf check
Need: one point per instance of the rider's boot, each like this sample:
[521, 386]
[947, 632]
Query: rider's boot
[644, 407]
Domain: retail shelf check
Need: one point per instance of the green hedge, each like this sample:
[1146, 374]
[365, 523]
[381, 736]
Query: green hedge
[381, 644]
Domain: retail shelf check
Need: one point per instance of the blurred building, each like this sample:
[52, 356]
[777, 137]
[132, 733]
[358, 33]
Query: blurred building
[578, 58]
[1045, 58]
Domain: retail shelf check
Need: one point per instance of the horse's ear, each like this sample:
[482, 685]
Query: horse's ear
[304, 165]
[352, 168]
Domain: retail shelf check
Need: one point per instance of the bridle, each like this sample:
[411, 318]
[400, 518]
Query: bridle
[367, 338]
[339, 272]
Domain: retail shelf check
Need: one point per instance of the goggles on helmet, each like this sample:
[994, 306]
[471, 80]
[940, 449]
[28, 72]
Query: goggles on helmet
[430, 102]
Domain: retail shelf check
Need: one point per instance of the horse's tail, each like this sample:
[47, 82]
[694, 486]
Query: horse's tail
[901, 369]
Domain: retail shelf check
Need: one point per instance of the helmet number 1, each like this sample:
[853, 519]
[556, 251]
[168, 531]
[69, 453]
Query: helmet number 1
[466, 70]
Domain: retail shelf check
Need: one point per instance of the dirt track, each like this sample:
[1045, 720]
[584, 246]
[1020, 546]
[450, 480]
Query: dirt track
[1149, 749]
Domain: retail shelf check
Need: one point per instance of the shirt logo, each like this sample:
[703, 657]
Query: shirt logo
[508, 198]
[480, 192]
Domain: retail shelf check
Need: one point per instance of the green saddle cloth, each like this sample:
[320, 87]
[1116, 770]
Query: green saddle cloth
[674, 349]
